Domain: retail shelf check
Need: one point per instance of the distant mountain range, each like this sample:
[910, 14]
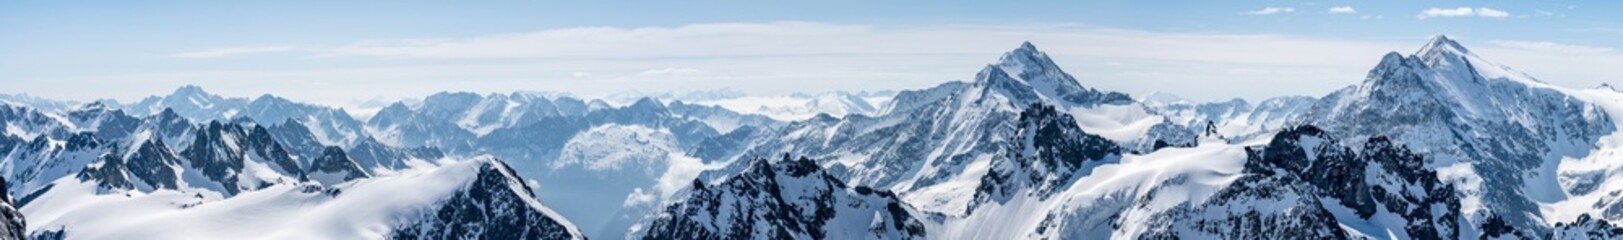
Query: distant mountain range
[1437, 144]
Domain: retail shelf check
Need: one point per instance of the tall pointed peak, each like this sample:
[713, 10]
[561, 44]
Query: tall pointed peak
[1443, 52]
[1029, 74]
[1026, 57]
[1442, 44]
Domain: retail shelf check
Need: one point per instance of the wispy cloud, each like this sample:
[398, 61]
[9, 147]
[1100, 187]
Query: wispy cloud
[226, 52]
[764, 40]
[753, 57]
[1462, 12]
[1491, 13]
[670, 71]
[696, 40]
[1551, 46]
[1270, 11]
[1343, 10]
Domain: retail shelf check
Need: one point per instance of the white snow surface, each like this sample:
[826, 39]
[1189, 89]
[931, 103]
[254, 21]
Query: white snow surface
[613, 147]
[365, 208]
[1174, 175]
[789, 108]
[1599, 167]
[608, 176]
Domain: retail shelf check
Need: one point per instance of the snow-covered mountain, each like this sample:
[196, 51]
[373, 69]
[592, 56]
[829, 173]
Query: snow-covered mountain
[802, 106]
[333, 167]
[12, 223]
[479, 198]
[1406, 181]
[933, 146]
[783, 199]
[623, 150]
[1438, 144]
[1497, 133]
[332, 126]
[1307, 183]
[1237, 119]
[533, 128]
[43, 104]
[628, 97]
[630, 168]
[795, 106]
[85, 169]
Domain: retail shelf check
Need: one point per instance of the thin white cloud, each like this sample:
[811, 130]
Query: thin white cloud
[670, 71]
[1462, 12]
[1270, 11]
[754, 57]
[1447, 12]
[1343, 10]
[760, 40]
[1491, 13]
[226, 52]
[1551, 46]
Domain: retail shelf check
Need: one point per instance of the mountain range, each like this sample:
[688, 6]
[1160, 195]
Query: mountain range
[1440, 143]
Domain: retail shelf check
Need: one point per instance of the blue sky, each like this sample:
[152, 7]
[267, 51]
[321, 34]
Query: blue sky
[339, 53]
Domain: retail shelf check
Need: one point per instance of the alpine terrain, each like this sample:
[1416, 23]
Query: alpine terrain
[1439, 143]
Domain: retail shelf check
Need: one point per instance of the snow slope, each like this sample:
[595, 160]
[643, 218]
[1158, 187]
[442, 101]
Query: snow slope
[1497, 133]
[784, 199]
[366, 209]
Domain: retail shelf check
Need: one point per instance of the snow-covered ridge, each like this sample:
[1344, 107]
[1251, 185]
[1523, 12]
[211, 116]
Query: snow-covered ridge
[1237, 119]
[386, 206]
[1499, 134]
[782, 199]
[796, 106]
[1440, 143]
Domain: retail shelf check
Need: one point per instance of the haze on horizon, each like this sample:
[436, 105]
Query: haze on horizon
[343, 54]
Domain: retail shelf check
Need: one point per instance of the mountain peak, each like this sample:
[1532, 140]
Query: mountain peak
[1441, 45]
[1029, 75]
[1027, 46]
[647, 103]
[190, 90]
[1026, 57]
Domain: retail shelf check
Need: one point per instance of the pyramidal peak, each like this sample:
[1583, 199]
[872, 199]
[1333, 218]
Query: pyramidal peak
[1027, 74]
[1025, 65]
[1024, 59]
[1441, 44]
[1442, 52]
[1447, 59]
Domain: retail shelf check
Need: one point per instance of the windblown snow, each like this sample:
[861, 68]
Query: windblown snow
[362, 209]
